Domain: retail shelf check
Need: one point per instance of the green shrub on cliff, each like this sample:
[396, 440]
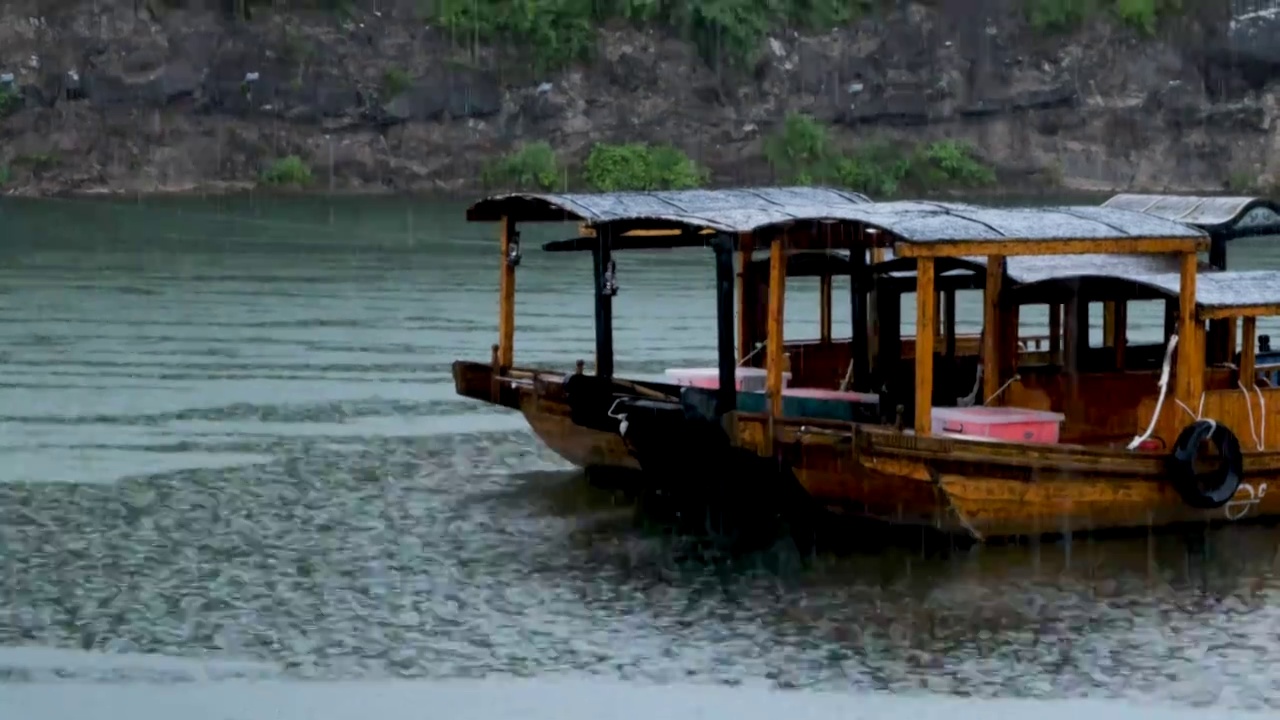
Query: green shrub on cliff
[532, 167]
[4, 175]
[287, 171]
[950, 163]
[802, 152]
[10, 101]
[558, 31]
[1064, 15]
[726, 32]
[394, 82]
[636, 166]
[877, 169]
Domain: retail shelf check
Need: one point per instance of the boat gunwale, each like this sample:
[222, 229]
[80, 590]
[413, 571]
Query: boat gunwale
[870, 438]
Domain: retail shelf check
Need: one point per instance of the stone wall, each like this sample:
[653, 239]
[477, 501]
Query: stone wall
[137, 96]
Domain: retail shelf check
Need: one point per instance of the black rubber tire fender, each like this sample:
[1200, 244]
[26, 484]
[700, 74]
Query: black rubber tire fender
[1215, 488]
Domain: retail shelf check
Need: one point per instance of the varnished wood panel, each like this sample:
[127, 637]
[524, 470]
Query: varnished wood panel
[506, 298]
[985, 489]
[926, 302]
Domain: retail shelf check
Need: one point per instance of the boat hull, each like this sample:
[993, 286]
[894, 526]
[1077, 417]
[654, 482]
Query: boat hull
[978, 488]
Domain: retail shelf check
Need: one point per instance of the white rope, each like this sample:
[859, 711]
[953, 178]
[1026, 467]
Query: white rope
[1198, 416]
[1248, 406]
[748, 356]
[1016, 377]
[1164, 391]
[1262, 412]
[620, 417]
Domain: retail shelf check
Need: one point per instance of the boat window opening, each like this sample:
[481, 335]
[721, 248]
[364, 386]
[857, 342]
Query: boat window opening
[1100, 324]
[1035, 336]
[1145, 339]
[818, 331]
[808, 309]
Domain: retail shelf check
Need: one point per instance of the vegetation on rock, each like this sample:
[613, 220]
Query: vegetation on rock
[10, 100]
[531, 167]
[394, 82]
[728, 32]
[287, 171]
[4, 175]
[607, 168]
[636, 166]
[802, 152]
[1065, 15]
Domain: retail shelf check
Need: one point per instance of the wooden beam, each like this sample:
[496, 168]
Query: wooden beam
[506, 297]
[603, 257]
[1190, 374]
[1108, 323]
[586, 230]
[746, 299]
[860, 300]
[1255, 311]
[824, 307]
[992, 327]
[949, 324]
[1249, 352]
[1120, 332]
[1055, 333]
[1073, 335]
[727, 394]
[1010, 247]
[926, 308]
[775, 340]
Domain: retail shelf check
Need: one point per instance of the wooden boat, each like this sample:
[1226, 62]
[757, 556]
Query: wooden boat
[992, 435]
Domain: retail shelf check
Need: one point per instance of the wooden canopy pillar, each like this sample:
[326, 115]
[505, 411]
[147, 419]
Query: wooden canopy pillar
[992, 327]
[824, 307]
[926, 312]
[509, 241]
[1108, 323]
[727, 394]
[1120, 334]
[1190, 373]
[748, 299]
[1218, 251]
[774, 342]
[949, 324]
[1055, 333]
[1249, 352]
[860, 299]
[604, 291]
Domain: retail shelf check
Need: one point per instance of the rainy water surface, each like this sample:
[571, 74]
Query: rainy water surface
[229, 432]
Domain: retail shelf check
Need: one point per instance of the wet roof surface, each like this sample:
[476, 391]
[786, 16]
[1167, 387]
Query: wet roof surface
[919, 222]
[1203, 212]
[1039, 268]
[740, 211]
[603, 207]
[1226, 289]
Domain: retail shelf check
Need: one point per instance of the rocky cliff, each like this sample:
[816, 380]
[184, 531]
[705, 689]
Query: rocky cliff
[168, 95]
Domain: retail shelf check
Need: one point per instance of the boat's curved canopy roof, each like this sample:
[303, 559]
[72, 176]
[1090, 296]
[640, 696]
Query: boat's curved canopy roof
[1019, 270]
[596, 208]
[822, 218]
[1228, 217]
[1219, 294]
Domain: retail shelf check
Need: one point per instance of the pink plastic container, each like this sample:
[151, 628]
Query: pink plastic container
[747, 379]
[999, 423]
